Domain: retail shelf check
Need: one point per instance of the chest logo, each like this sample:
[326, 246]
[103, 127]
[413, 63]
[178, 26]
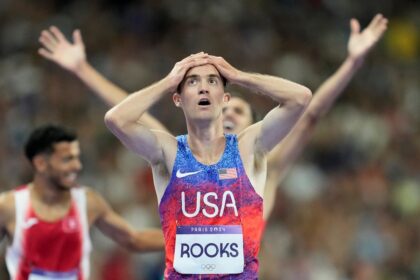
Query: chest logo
[69, 225]
[180, 174]
[29, 223]
[211, 206]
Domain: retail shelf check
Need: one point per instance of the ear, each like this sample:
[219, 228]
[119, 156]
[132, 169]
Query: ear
[176, 97]
[40, 163]
[226, 97]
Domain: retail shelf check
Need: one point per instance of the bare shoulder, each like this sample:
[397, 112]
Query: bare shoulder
[93, 198]
[96, 204]
[91, 194]
[7, 205]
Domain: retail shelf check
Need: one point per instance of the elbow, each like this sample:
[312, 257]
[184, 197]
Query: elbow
[112, 121]
[127, 242]
[142, 242]
[142, 248]
[135, 248]
[300, 100]
[304, 97]
[132, 248]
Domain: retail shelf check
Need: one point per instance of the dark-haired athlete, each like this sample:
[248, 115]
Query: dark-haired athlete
[237, 112]
[47, 221]
[209, 185]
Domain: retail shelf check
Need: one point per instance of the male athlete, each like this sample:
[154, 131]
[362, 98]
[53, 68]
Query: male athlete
[47, 221]
[237, 113]
[209, 185]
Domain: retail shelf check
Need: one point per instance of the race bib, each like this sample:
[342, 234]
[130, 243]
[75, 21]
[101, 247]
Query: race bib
[39, 274]
[209, 249]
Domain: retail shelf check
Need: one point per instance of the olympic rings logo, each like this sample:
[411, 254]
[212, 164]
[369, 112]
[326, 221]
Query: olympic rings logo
[208, 267]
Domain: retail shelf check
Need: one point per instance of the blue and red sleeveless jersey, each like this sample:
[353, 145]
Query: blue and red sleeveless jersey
[219, 194]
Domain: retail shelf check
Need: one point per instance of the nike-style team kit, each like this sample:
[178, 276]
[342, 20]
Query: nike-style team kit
[211, 217]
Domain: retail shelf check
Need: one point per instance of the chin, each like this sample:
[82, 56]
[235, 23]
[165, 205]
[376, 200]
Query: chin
[62, 188]
[67, 186]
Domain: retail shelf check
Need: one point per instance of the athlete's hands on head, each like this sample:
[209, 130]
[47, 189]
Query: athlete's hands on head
[58, 49]
[360, 43]
[180, 69]
[225, 69]
[177, 73]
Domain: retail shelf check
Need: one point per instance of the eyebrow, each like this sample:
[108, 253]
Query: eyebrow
[197, 76]
[215, 76]
[191, 76]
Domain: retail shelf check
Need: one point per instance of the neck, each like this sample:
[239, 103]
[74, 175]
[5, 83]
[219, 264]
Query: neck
[205, 132]
[48, 193]
[206, 141]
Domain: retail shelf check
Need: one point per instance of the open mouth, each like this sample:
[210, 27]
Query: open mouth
[204, 102]
[228, 125]
[71, 177]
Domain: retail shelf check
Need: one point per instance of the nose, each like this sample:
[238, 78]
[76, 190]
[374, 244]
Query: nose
[203, 88]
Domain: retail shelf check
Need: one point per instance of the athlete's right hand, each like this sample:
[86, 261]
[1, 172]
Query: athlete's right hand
[58, 49]
[177, 73]
[361, 42]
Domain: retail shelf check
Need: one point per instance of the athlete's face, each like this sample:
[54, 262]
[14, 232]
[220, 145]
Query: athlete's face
[237, 115]
[202, 93]
[63, 165]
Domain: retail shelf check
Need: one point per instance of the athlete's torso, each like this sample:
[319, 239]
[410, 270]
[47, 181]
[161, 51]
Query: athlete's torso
[49, 250]
[213, 202]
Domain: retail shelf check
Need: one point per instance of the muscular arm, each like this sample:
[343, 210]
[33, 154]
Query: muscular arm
[72, 57]
[116, 228]
[287, 151]
[283, 155]
[360, 43]
[292, 99]
[122, 119]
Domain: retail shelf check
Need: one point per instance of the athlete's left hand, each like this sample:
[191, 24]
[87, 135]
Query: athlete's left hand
[361, 42]
[226, 70]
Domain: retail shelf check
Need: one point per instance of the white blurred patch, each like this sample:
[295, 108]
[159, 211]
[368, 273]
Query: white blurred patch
[304, 183]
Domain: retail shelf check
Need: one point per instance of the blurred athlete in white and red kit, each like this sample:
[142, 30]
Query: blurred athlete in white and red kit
[46, 222]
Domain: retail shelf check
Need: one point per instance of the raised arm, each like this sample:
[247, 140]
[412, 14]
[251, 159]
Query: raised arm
[359, 45]
[292, 99]
[284, 154]
[116, 228]
[72, 57]
[122, 119]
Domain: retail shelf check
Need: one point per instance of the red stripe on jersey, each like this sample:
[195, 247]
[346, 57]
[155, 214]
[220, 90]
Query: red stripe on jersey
[51, 246]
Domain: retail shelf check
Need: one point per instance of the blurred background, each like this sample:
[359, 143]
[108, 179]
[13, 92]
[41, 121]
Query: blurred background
[350, 207]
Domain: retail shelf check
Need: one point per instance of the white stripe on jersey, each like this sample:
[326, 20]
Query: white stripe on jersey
[15, 250]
